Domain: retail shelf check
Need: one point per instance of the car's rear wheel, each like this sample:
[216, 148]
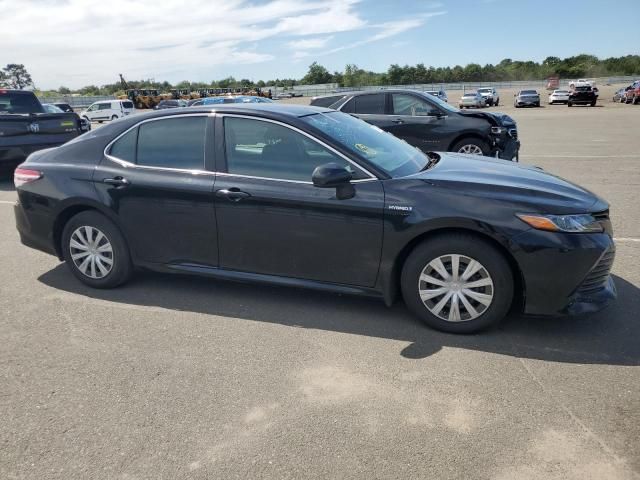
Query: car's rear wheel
[471, 146]
[497, 103]
[457, 283]
[95, 250]
[569, 104]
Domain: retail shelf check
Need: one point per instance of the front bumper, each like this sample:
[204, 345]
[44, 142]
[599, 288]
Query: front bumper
[506, 146]
[565, 274]
[527, 102]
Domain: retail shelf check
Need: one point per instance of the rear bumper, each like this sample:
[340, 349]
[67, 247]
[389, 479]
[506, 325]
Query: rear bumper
[527, 103]
[565, 274]
[35, 230]
[19, 153]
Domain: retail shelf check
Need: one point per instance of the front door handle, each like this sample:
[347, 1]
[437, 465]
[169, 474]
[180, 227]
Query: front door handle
[398, 121]
[233, 194]
[117, 182]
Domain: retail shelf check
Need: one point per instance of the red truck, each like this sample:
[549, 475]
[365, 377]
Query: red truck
[632, 93]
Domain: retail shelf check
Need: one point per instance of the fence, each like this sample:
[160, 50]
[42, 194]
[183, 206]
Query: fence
[310, 91]
[76, 101]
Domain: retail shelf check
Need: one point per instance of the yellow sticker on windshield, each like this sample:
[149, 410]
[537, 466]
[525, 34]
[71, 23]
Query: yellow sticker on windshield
[366, 150]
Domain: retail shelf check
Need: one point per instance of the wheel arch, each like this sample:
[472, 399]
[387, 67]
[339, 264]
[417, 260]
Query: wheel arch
[462, 136]
[71, 209]
[392, 289]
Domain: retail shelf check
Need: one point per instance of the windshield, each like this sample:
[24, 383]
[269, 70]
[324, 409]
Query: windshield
[484, 90]
[390, 154]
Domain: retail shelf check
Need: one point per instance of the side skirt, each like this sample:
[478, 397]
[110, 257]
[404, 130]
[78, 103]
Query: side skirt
[245, 277]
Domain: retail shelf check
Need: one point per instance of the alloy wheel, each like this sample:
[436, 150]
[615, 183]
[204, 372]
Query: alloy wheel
[455, 288]
[91, 252]
[471, 149]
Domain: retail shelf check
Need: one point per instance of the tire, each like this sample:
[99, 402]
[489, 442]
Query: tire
[494, 274]
[593, 104]
[538, 104]
[569, 104]
[635, 100]
[497, 102]
[468, 144]
[100, 121]
[76, 230]
[115, 117]
[87, 119]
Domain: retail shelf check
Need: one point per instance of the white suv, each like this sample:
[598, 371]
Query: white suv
[108, 110]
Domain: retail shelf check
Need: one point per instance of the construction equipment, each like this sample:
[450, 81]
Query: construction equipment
[141, 98]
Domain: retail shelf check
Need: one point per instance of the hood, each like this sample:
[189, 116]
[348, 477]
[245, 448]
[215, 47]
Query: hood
[495, 118]
[534, 189]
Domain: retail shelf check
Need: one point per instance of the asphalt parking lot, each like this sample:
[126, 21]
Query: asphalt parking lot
[179, 377]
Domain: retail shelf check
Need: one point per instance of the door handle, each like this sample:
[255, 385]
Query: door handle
[398, 121]
[117, 182]
[233, 194]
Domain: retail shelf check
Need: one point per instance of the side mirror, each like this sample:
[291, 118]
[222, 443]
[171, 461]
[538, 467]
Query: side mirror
[332, 175]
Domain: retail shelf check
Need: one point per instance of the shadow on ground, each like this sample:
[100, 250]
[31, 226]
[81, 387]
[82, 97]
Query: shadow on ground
[609, 337]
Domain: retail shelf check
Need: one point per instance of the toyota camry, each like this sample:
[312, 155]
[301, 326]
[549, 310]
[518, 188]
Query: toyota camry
[311, 197]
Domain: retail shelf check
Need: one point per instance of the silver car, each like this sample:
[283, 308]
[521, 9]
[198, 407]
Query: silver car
[441, 94]
[526, 98]
[472, 99]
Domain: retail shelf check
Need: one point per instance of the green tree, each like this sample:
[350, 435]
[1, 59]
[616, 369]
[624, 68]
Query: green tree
[15, 75]
[316, 74]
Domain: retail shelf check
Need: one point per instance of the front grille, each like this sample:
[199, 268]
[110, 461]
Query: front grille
[513, 133]
[599, 274]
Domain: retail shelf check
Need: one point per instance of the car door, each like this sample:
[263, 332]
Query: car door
[155, 177]
[418, 122]
[272, 220]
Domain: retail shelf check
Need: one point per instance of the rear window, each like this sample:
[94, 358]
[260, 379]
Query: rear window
[583, 89]
[127, 104]
[19, 103]
[326, 101]
[528, 92]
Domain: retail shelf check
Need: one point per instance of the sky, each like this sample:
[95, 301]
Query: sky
[74, 43]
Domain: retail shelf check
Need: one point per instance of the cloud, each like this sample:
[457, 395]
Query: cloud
[310, 43]
[75, 42]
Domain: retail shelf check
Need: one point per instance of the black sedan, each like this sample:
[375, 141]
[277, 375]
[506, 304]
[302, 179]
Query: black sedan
[311, 197]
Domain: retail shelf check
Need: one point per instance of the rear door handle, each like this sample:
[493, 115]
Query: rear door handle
[233, 194]
[397, 120]
[117, 182]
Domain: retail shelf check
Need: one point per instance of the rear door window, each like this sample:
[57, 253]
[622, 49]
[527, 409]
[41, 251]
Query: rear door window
[104, 106]
[172, 143]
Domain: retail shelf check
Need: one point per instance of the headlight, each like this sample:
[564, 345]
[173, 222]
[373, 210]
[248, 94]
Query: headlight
[583, 223]
[498, 130]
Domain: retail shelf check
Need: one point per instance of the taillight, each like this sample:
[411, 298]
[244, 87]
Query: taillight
[22, 176]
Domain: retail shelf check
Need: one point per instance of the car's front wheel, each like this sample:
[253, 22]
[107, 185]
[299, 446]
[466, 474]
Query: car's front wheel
[471, 146]
[115, 117]
[95, 250]
[457, 283]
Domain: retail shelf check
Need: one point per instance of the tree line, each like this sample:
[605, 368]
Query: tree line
[584, 65]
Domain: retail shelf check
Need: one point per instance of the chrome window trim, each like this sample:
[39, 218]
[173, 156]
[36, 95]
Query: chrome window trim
[295, 129]
[127, 164]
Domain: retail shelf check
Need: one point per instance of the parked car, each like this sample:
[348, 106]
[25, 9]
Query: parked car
[108, 110]
[632, 93]
[559, 96]
[430, 124]
[164, 104]
[619, 96]
[490, 95]
[581, 82]
[65, 107]
[234, 99]
[441, 94]
[472, 99]
[582, 95]
[526, 98]
[311, 197]
[26, 127]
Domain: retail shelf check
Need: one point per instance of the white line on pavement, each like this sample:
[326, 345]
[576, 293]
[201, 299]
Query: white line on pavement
[545, 155]
[626, 239]
[7, 202]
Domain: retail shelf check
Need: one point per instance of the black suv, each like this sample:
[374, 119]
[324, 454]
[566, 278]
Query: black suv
[430, 124]
[582, 95]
